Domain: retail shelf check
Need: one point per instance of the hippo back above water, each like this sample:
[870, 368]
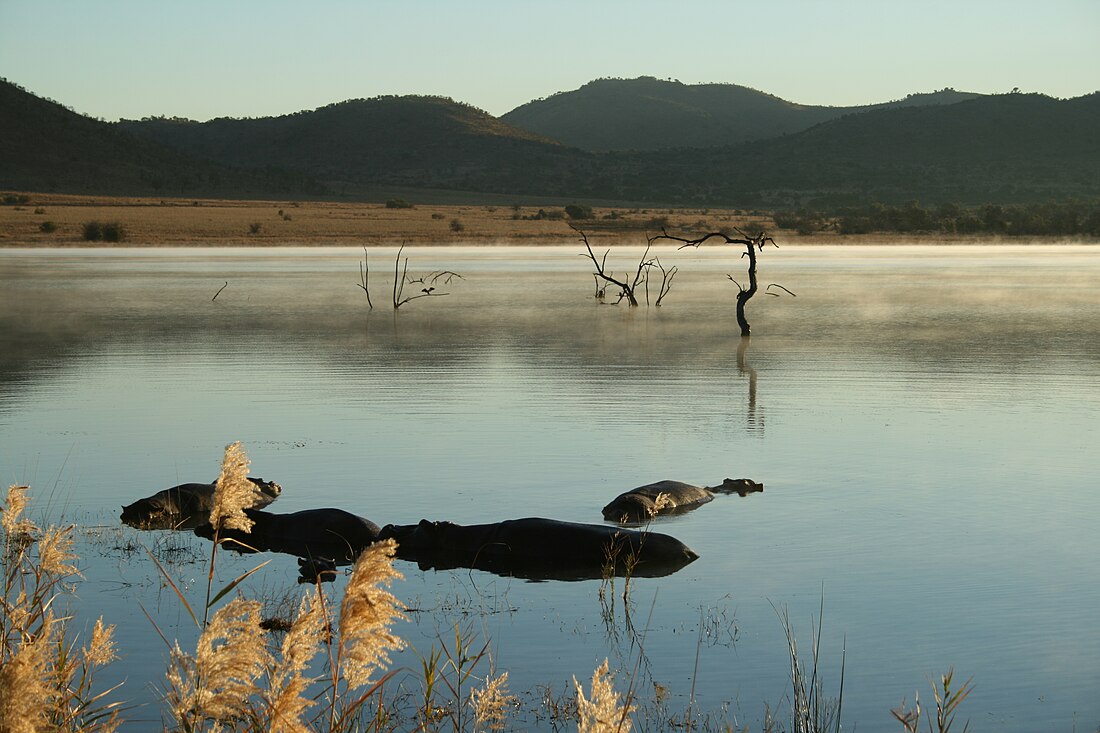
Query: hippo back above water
[540, 548]
[671, 497]
[313, 534]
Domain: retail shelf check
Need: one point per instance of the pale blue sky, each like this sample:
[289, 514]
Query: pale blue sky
[212, 58]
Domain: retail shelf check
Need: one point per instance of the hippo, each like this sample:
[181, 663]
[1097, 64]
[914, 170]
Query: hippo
[333, 536]
[186, 506]
[540, 549]
[670, 497]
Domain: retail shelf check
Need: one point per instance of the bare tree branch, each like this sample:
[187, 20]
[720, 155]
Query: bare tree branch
[777, 285]
[627, 290]
[752, 245]
[364, 270]
[428, 282]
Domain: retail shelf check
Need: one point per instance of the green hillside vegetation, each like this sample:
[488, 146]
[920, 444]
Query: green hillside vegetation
[415, 141]
[1038, 220]
[1000, 150]
[1012, 148]
[654, 114]
[46, 147]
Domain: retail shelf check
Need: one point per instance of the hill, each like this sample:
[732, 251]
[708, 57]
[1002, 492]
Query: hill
[1014, 148]
[1005, 149]
[415, 141]
[653, 114]
[46, 147]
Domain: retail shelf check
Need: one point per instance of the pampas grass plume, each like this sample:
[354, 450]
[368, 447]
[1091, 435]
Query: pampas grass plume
[15, 527]
[491, 703]
[601, 713]
[101, 649]
[366, 614]
[230, 656]
[55, 550]
[234, 492]
[288, 683]
[26, 696]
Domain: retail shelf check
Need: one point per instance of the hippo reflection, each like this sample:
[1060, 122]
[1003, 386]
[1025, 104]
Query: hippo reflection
[186, 506]
[544, 549]
[671, 497]
[331, 535]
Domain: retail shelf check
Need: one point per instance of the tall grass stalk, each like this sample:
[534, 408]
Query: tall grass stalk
[600, 711]
[46, 677]
[947, 700]
[811, 710]
[233, 494]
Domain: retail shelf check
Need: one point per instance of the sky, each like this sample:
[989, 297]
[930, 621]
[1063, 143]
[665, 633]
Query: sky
[202, 59]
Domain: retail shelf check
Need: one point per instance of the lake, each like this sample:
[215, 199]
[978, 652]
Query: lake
[926, 422]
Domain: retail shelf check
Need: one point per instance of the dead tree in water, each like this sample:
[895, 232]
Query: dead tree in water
[364, 271]
[752, 245]
[428, 282]
[641, 276]
[401, 278]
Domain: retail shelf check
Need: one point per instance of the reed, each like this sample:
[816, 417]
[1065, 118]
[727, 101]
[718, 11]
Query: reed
[600, 711]
[242, 678]
[811, 710]
[947, 699]
[492, 704]
[46, 675]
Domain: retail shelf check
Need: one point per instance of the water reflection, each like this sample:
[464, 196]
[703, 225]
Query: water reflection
[530, 549]
[894, 425]
[541, 549]
[753, 423]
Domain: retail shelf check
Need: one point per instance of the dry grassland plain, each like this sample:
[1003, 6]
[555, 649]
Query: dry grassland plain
[57, 220]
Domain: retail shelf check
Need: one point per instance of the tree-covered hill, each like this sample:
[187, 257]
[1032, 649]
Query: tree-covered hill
[1002, 149]
[408, 141]
[999, 149]
[654, 114]
[46, 147]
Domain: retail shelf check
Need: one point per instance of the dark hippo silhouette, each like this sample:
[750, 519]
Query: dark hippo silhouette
[670, 497]
[186, 506]
[320, 536]
[540, 549]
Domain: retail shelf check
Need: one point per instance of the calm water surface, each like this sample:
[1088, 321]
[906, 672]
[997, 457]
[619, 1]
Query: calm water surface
[925, 420]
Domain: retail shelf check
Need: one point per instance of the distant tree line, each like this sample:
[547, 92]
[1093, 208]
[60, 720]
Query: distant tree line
[1046, 219]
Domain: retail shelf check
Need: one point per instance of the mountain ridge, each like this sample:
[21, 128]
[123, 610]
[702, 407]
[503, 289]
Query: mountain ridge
[983, 149]
[45, 146]
[646, 113]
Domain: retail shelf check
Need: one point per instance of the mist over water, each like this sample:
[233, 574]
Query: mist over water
[924, 419]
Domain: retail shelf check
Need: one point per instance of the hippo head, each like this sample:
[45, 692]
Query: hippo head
[630, 509]
[154, 512]
[268, 492]
[740, 486]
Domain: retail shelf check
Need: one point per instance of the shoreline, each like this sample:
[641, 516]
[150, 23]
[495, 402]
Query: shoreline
[58, 220]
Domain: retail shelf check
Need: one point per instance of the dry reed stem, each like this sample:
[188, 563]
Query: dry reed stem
[288, 683]
[16, 529]
[601, 713]
[26, 697]
[101, 649]
[491, 703]
[230, 656]
[55, 551]
[234, 492]
[366, 614]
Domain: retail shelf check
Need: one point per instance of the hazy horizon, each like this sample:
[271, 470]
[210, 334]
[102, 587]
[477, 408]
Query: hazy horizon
[128, 59]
